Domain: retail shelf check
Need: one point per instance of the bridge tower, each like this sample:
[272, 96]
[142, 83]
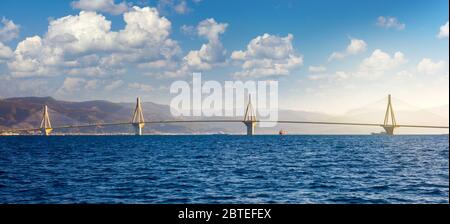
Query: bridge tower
[46, 125]
[250, 117]
[390, 116]
[138, 118]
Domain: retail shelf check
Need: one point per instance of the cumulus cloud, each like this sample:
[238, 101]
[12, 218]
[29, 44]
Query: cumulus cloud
[72, 84]
[374, 67]
[107, 6]
[390, 22]
[5, 52]
[211, 53]
[443, 32]
[380, 61]
[84, 44]
[355, 46]
[429, 67]
[268, 55]
[8, 30]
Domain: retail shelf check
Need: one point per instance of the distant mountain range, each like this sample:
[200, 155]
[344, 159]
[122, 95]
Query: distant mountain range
[26, 112]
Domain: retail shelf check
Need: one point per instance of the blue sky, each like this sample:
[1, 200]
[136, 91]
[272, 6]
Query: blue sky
[380, 47]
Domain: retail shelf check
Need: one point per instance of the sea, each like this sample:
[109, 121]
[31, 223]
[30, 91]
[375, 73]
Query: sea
[293, 169]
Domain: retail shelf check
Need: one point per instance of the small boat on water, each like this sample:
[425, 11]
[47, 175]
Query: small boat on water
[282, 132]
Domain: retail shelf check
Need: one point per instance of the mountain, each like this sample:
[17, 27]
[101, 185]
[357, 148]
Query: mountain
[26, 112]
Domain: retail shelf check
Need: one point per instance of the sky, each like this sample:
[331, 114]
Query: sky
[328, 56]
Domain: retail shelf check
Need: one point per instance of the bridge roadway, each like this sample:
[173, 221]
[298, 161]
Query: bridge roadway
[225, 121]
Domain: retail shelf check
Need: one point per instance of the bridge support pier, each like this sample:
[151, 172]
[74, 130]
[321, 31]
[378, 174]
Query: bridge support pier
[46, 131]
[250, 127]
[138, 128]
[389, 129]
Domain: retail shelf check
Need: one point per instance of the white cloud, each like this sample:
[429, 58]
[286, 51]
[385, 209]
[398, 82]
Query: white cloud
[390, 22]
[188, 30]
[268, 55]
[178, 6]
[380, 62]
[5, 52]
[27, 87]
[316, 77]
[113, 85]
[317, 69]
[91, 84]
[84, 44]
[210, 29]
[8, 30]
[211, 53]
[101, 6]
[370, 68]
[428, 67]
[141, 87]
[443, 32]
[356, 46]
[71, 84]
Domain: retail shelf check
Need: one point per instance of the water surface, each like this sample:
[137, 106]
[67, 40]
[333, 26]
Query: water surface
[224, 169]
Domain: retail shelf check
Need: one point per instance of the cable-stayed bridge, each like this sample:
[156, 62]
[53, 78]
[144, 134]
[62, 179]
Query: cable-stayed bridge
[249, 120]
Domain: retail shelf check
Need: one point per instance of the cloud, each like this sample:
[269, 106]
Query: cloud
[428, 67]
[188, 30]
[390, 22]
[317, 69]
[77, 85]
[72, 84]
[5, 52]
[141, 87]
[356, 46]
[210, 29]
[268, 55]
[380, 62]
[26, 87]
[178, 6]
[370, 68]
[211, 53]
[84, 44]
[113, 85]
[8, 30]
[443, 32]
[107, 6]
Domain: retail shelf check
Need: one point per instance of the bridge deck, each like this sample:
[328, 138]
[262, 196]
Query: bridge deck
[226, 121]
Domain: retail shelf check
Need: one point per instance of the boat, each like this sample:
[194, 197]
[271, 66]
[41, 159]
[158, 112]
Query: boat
[282, 132]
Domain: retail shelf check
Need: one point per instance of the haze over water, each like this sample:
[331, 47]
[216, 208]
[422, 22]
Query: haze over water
[224, 169]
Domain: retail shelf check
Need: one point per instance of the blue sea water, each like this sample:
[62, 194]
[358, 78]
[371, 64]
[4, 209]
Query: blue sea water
[224, 169]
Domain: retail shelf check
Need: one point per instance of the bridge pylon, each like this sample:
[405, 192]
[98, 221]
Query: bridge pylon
[250, 118]
[138, 121]
[389, 116]
[46, 125]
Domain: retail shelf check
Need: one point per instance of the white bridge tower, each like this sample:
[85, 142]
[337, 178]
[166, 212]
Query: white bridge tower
[46, 125]
[250, 118]
[138, 121]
